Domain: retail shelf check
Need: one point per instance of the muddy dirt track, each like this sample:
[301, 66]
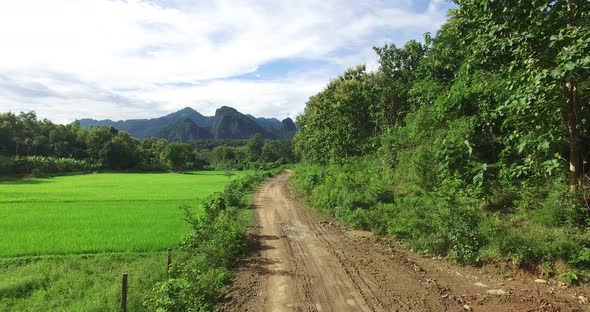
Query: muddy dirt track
[303, 264]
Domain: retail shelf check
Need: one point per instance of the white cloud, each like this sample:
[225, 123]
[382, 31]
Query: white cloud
[120, 59]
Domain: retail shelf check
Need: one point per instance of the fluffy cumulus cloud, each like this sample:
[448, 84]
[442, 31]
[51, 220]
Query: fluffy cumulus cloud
[69, 59]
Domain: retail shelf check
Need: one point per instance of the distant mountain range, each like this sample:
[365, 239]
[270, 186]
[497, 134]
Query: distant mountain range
[188, 125]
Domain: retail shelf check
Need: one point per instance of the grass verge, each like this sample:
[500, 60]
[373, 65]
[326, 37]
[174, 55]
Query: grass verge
[217, 241]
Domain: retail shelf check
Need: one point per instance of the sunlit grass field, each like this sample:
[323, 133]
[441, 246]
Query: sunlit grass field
[85, 283]
[66, 240]
[108, 212]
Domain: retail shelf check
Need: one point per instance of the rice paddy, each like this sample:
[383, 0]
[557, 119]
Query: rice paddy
[66, 240]
[108, 212]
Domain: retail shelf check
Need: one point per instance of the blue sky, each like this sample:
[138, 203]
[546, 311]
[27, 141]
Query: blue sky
[71, 59]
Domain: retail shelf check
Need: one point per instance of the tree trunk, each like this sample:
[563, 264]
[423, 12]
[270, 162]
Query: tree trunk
[574, 137]
[576, 161]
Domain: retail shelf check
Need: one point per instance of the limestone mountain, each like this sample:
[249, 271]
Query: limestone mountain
[230, 124]
[143, 128]
[185, 130]
[188, 125]
[287, 129]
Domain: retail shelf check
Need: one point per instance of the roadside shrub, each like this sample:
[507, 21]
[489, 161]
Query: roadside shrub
[582, 259]
[570, 278]
[375, 219]
[216, 242]
[440, 224]
[308, 177]
[529, 244]
[350, 190]
[356, 192]
[538, 221]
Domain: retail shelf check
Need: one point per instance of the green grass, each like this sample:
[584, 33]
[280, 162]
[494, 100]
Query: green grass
[78, 282]
[65, 241]
[110, 212]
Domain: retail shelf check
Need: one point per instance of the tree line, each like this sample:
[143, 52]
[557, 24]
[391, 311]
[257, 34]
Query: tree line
[478, 132]
[27, 143]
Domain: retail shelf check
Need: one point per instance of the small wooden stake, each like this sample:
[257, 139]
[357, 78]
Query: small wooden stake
[168, 260]
[124, 293]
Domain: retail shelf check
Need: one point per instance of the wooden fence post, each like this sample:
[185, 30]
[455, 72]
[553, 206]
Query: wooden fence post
[124, 293]
[168, 260]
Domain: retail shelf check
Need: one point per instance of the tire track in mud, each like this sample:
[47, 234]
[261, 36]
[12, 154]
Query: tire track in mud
[305, 265]
[310, 269]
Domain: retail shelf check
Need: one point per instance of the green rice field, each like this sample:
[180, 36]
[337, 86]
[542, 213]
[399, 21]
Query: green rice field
[66, 240]
[109, 212]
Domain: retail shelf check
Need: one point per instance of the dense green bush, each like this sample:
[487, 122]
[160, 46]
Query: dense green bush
[449, 219]
[216, 242]
[464, 142]
[45, 165]
[6, 164]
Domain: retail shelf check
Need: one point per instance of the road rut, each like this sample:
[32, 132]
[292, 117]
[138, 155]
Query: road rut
[307, 265]
[307, 269]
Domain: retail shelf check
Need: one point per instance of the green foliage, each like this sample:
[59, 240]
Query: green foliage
[151, 150]
[254, 147]
[257, 154]
[582, 260]
[45, 165]
[445, 220]
[278, 152]
[111, 149]
[98, 141]
[216, 242]
[398, 67]
[441, 222]
[122, 152]
[473, 131]
[178, 156]
[225, 157]
[341, 189]
[337, 121]
[79, 283]
[571, 278]
[537, 46]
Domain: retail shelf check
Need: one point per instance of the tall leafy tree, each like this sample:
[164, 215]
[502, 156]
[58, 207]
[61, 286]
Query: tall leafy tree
[254, 147]
[122, 151]
[177, 156]
[337, 122]
[151, 150]
[542, 48]
[398, 70]
[98, 142]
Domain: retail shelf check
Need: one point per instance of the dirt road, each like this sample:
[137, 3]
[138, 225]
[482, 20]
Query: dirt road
[307, 265]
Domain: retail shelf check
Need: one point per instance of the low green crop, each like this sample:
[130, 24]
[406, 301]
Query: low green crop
[99, 212]
[90, 229]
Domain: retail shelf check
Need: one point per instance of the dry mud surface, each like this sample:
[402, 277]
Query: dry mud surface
[304, 264]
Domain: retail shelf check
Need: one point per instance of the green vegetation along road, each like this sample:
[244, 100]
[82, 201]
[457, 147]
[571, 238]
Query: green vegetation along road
[305, 262]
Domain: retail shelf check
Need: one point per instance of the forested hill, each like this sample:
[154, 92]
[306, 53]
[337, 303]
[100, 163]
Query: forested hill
[472, 143]
[187, 124]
